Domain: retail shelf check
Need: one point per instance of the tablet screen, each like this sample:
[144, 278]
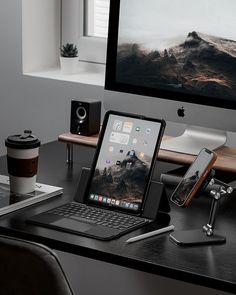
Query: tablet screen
[124, 161]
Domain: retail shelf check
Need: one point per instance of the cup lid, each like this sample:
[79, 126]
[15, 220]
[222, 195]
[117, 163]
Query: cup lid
[26, 140]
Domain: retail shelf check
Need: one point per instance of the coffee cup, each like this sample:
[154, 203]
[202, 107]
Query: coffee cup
[22, 161]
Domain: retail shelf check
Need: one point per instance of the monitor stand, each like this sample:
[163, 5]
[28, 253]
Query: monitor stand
[194, 139]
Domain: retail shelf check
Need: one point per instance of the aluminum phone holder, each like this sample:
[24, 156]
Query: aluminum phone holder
[207, 235]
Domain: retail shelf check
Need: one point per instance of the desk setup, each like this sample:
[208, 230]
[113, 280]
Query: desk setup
[211, 266]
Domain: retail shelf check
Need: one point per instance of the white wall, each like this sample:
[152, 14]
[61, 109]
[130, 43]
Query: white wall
[42, 105]
[40, 34]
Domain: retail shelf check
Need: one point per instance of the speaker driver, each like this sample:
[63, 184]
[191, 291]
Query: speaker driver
[81, 114]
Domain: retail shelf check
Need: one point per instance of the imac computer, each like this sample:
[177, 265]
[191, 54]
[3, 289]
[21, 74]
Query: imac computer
[175, 60]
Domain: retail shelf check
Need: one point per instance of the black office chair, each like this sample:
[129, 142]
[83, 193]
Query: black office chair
[27, 268]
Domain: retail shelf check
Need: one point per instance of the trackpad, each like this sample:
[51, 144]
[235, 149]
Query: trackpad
[71, 225]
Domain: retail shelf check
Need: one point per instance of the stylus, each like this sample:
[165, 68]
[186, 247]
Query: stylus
[151, 233]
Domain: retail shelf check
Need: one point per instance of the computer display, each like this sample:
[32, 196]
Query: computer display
[178, 50]
[185, 47]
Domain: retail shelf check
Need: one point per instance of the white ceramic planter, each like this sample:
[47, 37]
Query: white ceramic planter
[69, 65]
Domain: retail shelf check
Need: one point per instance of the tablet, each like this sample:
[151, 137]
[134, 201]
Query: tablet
[124, 161]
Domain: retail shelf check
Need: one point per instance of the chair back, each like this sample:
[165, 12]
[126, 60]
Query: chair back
[28, 268]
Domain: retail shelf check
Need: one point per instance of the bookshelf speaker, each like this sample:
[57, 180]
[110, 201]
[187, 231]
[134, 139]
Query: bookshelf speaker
[85, 117]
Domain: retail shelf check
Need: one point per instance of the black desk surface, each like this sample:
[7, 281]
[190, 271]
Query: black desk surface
[211, 266]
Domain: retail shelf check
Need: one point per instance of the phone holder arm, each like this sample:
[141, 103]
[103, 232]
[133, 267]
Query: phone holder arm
[210, 184]
[209, 227]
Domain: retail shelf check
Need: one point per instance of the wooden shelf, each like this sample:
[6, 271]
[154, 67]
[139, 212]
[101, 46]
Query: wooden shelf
[226, 160]
[79, 139]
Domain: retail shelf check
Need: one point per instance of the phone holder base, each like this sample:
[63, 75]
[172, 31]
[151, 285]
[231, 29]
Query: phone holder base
[196, 237]
[156, 200]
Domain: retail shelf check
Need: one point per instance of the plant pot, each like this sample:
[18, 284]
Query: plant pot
[69, 65]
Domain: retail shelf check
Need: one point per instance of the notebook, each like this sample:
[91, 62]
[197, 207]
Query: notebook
[118, 183]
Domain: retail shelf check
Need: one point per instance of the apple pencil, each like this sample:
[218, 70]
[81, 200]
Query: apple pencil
[151, 234]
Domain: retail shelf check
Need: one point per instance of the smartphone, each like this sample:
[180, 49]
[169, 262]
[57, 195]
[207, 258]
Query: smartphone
[124, 161]
[194, 178]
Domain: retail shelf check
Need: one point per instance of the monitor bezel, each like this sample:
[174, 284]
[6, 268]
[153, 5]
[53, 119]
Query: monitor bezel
[113, 85]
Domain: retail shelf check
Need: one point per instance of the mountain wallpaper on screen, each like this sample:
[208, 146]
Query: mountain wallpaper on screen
[202, 64]
[125, 181]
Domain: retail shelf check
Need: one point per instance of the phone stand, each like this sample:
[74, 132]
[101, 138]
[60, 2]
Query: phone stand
[207, 235]
[156, 200]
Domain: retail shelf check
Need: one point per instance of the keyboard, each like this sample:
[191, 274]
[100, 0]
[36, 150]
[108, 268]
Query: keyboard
[98, 216]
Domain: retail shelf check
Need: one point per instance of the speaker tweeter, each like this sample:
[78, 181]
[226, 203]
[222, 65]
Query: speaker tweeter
[85, 117]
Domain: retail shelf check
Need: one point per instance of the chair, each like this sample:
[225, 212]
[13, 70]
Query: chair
[28, 268]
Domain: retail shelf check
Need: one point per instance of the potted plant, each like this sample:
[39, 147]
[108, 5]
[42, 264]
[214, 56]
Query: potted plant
[69, 58]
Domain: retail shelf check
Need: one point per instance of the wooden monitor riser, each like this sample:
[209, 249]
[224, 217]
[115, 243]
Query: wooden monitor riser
[226, 156]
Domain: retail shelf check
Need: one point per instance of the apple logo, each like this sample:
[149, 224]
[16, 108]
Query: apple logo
[181, 111]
